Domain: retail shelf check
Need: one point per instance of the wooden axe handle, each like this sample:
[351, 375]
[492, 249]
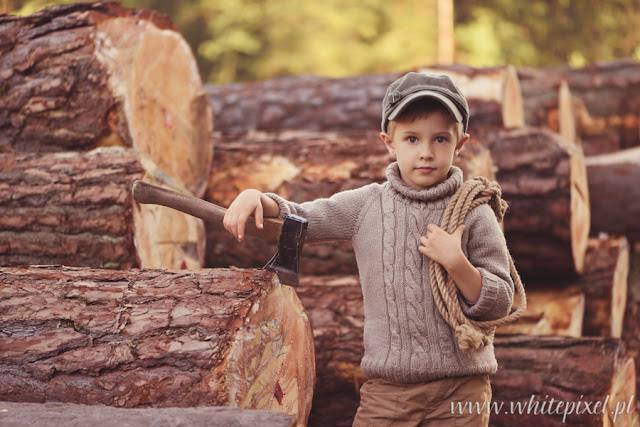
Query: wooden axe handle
[150, 194]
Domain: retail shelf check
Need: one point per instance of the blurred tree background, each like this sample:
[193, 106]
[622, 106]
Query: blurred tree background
[249, 40]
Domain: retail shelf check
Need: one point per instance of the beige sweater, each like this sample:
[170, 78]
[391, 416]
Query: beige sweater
[406, 340]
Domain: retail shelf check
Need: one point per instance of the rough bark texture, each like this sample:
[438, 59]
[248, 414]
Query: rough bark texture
[354, 103]
[72, 415]
[615, 194]
[543, 178]
[86, 75]
[154, 338]
[76, 209]
[610, 93]
[321, 164]
[336, 311]
[535, 370]
[549, 102]
[551, 310]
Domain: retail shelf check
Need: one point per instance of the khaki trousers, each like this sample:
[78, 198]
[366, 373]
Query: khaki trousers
[384, 403]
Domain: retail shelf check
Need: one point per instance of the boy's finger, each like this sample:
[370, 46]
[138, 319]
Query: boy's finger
[240, 228]
[460, 230]
[259, 217]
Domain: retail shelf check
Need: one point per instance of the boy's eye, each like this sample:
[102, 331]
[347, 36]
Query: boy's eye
[441, 139]
[412, 139]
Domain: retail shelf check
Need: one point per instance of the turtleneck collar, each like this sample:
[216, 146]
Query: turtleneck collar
[444, 189]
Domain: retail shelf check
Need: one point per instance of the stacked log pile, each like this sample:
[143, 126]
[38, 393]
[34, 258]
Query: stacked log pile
[575, 275]
[605, 106]
[94, 96]
[106, 333]
[81, 77]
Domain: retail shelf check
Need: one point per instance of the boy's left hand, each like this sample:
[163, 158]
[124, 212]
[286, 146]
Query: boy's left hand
[442, 247]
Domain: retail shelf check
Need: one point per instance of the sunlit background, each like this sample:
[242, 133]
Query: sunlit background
[250, 40]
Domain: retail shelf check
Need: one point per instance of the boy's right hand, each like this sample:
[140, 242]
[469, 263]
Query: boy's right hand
[246, 204]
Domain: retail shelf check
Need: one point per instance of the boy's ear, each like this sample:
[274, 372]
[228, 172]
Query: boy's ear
[388, 142]
[461, 143]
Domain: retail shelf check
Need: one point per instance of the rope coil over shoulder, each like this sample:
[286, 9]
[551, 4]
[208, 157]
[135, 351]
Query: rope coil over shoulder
[471, 334]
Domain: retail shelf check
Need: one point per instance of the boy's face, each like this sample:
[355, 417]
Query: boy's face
[425, 148]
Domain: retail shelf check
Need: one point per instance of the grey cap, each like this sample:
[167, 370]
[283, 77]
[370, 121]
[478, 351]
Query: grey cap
[413, 86]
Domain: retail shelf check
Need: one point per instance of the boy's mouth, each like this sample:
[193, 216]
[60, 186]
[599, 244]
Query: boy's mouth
[425, 169]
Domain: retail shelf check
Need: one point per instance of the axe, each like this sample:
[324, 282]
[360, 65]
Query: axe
[289, 233]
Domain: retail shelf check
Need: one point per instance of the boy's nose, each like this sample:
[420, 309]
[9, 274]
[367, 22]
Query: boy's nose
[426, 152]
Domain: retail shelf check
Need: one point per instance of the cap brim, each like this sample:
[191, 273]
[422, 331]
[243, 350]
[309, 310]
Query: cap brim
[426, 94]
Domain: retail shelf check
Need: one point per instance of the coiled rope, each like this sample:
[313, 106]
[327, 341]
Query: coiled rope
[471, 334]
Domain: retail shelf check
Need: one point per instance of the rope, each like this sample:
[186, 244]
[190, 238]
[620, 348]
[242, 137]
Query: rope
[471, 334]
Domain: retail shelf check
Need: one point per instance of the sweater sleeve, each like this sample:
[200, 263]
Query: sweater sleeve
[334, 218]
[486, 249]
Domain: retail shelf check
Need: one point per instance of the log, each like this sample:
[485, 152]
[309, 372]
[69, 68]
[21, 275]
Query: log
[154, 338]
[549, 103]
[605, 282]
[72, 415]
[493, 94]
[536, 374]
[81, 76]
[551, 310]
[544, 180]
[322, 164]
[336, 311]
[76, 209]
[615, 196]
[354, 103]
[631, 327]
[608, 113]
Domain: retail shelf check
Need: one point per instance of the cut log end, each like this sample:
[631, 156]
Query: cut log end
[580, 209]
[513, 111]
[272, 364]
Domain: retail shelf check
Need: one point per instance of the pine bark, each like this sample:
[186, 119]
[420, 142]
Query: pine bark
[76, 209]
[549, 103]
[608, 113]
[355, 103]
[155, 338]
[336, 311]
[544, 180]
[614, 191]
[322, 164]
[72, 415]
[535, 370]
[86, 75]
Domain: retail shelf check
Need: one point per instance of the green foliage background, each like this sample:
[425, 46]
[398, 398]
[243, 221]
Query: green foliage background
[248, 40]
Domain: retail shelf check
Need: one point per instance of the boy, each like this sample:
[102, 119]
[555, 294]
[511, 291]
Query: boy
[416, 370]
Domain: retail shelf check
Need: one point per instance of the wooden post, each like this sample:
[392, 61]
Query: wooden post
[446, 40]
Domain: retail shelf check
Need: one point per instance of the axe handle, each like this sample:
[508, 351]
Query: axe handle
[150, 194]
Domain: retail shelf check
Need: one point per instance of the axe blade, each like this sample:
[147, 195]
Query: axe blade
[286, 262]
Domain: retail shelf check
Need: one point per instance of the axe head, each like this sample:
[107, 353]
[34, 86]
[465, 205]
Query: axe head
[286, 262]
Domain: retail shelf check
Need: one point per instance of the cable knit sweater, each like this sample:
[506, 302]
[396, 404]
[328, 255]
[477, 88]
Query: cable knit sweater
[406, 339]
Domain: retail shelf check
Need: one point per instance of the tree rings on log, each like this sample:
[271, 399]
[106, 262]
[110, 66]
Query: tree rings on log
[154, 338]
